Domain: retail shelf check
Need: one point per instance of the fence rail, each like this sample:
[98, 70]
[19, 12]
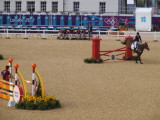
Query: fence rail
[25, 33]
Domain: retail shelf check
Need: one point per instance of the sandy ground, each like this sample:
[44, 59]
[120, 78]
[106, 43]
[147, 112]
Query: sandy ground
[114, 90]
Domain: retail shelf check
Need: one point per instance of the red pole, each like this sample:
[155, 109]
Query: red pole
[128, 55]
[96, 48]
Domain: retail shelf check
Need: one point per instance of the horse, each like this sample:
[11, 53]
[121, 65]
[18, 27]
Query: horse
[139, 50]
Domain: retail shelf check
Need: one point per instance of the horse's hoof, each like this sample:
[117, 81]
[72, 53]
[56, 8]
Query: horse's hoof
[141, 62]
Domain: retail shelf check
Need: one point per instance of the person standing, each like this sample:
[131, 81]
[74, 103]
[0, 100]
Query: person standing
[6, 74]
[127, 23]
[71, 33]
[90, 30]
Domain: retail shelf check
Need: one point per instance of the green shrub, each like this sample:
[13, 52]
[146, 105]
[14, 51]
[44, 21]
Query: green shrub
[92, 60]
[133, 58]
[39, 91]
[1, 57]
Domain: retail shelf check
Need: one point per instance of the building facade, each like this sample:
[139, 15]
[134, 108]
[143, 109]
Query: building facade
[60, 6]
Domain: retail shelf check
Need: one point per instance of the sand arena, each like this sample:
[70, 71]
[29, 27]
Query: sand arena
[114, 90]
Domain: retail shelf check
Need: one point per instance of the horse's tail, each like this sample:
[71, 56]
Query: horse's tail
[123, 42]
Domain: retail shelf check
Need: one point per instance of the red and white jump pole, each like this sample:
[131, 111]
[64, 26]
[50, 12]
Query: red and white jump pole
[33, 78]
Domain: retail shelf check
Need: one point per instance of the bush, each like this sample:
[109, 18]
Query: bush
[133, 58]
[38, 103]
[92, 60]
[1, 57]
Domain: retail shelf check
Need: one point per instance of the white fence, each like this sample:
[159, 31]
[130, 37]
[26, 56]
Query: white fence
[45, 34]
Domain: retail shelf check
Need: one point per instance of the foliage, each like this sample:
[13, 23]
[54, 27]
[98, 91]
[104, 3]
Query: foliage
[1, 57]
[92, 60]
[38, 103]
[133, 58]
[39, 90]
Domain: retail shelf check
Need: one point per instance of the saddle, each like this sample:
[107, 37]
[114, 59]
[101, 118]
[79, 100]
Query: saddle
[134, 45]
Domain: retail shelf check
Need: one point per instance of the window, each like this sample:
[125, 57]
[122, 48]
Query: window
[54, 6]
[7, 6]
[18, 6]
[102, 7]
[31, 6]
[76, 6]
[43, 6]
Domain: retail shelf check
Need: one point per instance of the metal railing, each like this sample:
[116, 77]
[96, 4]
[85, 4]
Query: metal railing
[9, 33]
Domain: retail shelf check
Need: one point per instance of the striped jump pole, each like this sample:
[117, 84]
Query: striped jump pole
[11, 101]
[5, 90]
[33, 79]
[19, 80]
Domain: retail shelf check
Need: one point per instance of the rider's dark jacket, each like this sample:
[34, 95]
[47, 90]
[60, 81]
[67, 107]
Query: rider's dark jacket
[138, 38]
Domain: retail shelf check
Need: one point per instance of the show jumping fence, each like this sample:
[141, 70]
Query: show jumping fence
[7, 88]
[111, 54]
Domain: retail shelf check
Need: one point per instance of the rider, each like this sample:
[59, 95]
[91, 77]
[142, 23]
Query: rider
[137, 40]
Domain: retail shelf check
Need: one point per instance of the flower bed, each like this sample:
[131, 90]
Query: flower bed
[38, 103]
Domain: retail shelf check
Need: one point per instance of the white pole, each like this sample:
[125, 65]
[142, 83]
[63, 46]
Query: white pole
[25, 35]
[10, 70]
[33, 79]
[33, 82]
[10, 102]
[99, 33]
[155, 37]
[43, 36]
[7, 35]
[16, 75]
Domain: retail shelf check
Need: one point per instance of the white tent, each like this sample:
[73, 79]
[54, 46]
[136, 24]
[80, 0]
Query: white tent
[143, 19]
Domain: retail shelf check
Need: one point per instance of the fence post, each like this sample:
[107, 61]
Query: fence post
[25, 35]
[43, 36]
[96, 48]
[7, 35]
[155, 37]
[128, 55]
[99, 33]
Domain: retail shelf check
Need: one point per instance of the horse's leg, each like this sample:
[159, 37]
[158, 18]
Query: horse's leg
[137, 58]
[140, 59]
